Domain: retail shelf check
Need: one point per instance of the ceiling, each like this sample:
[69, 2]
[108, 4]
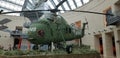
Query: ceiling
[18, 5]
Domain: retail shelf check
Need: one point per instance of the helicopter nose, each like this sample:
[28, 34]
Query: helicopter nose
[27, 24]
[41, 33]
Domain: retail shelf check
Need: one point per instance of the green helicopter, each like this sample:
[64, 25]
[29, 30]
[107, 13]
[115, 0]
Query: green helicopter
[53, 28]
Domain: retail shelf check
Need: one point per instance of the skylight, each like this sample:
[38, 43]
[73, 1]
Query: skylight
[11, 5]
[50, 4]
[18, 5]
[68, 5]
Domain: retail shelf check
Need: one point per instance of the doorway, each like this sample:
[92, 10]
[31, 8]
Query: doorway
[16, 42]
[101, 45]
[114, 47]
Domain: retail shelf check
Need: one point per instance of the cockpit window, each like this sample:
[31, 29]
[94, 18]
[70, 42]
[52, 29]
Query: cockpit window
[32, 29]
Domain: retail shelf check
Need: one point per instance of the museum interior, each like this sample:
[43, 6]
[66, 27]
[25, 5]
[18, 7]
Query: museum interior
[59, 26]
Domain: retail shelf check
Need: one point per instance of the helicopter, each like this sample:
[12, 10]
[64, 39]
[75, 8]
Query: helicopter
[50, 28]
[53, 28]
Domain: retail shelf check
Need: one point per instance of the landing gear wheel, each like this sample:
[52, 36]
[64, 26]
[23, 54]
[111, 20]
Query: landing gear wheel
[69, 49]
[35, 47]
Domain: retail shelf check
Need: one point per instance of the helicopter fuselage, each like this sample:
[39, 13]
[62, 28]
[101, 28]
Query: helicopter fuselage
[56, 30]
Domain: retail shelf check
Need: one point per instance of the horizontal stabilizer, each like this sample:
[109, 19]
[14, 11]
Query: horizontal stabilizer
[4, 21]
[3, 27]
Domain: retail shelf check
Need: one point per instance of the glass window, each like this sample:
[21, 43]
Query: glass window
[78, 2]
[85, 1]
[66, 6]
[56, 2]
[50, 4]
[61, 9]
[72, 4]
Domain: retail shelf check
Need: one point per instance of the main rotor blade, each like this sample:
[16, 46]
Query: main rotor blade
[25, 11]
[60, 3]
[55, 10]
[92, 12]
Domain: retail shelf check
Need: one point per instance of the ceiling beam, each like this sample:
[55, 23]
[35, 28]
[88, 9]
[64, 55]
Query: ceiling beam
[68, 5]
[4, 8]
[82, 2]
[61, 5]
[25, 4]
[53, 3]
[31, 3]
[12, 2]
[75, 3]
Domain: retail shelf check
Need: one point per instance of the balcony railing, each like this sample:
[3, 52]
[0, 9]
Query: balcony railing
[113, 21]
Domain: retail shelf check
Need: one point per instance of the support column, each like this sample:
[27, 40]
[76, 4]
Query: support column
[52, 46]
[117, 43]
[107, 45]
